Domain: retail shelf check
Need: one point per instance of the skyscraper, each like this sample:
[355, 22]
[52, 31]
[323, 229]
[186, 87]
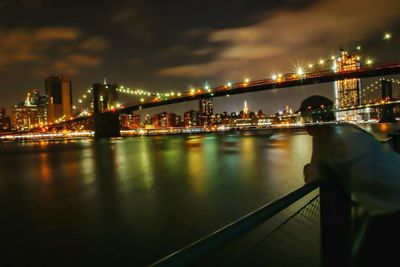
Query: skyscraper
[206, 110]
[347, 91]
[59, 92]
[32, 98]
[245, 108]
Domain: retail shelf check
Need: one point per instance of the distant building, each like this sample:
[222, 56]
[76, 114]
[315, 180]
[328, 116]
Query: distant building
[26, 118]
[206, 110]
[5, 122]
[245, 109]
[31, 113]
[347, 91]
[164, 120]
[191, 118]
[147, 121]
[130, 121]
[32, 98]
[178, 121]
[59, 92]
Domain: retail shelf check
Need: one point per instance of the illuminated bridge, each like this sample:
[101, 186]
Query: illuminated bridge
[106, 122]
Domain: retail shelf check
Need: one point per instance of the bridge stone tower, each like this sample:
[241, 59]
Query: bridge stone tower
[106, 120]
[387, 95]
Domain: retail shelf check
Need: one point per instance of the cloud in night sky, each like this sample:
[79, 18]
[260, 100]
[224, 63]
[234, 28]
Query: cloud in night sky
[50, 49]
[304, 31]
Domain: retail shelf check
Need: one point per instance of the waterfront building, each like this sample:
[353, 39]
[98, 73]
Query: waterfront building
[25, 118]
[191, 118]
[5, 123]
[206, 110]
[59, 92]
[347, 91]
[245, 109]
[164, 120]
[147, 121]
[130, 121]
[31, 113]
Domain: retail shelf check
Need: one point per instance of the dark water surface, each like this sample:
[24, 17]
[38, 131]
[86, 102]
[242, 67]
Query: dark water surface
[135, 200]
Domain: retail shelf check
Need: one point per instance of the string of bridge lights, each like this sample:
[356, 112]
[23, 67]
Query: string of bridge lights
[300, 71]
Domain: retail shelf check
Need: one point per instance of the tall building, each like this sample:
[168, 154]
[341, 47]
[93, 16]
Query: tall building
[59, 92]
[347, 91]
[32, 98]
[31, 113]
[206, 106]
[5, 123]
[245, 108]
[206, 110]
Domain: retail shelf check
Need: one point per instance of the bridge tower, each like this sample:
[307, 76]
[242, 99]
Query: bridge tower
[347, 91]
[387, 95]
[106, 121]
[387, 89]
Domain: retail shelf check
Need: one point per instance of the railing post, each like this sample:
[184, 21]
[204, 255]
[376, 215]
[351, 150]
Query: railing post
[336, 234]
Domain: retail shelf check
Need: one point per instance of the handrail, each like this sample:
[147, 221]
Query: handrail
[194, 252]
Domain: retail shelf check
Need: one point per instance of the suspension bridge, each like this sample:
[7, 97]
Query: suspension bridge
[106, 114]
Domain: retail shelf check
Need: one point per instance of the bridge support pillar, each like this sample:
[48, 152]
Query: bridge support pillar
[106, 125]
[387, 94]
[387, 114]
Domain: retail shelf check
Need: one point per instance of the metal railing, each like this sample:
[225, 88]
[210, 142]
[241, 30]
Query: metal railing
[196, 251]
[335, 227]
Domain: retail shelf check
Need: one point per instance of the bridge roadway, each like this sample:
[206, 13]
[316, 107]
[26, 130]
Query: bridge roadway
[269, 84]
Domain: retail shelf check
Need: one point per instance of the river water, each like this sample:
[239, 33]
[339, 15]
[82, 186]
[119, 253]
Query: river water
[135, 200]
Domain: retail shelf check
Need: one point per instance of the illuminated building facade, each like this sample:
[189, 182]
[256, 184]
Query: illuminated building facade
[191, 118]
[245, 108]
[206, 110]
[32, 98]
[59, 92]
[130, 121]
[31, 113]
[347, 91]
[25, 118]
[164, 120]
[5, 123]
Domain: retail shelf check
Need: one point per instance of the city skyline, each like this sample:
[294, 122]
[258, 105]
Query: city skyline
[183, 54]
[234, 103]
[199, 132]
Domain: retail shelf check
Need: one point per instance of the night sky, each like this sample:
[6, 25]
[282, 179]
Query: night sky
[171, 45]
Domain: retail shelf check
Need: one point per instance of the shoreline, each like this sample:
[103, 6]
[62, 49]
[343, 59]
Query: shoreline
[56, 137]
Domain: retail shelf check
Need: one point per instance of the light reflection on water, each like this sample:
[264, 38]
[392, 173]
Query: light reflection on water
[107, 201]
